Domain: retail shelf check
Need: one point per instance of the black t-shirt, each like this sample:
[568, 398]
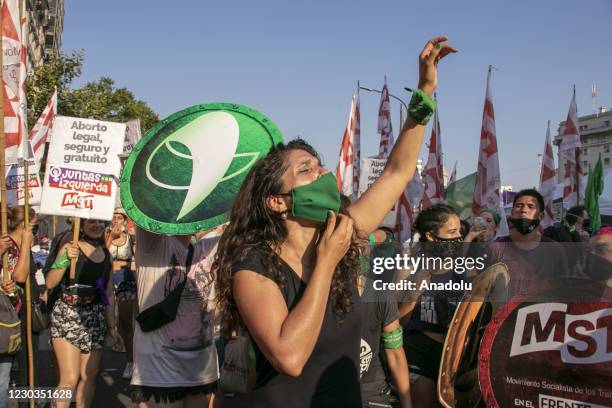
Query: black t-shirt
[330, 377]
[379, 310]
[530, 269]
[435, 308]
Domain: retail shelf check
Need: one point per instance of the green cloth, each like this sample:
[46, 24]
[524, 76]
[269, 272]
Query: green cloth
[313, 201]
[421, 106]
[594, 189]
[62, 261]
[459, 195]
[393, 340]
[493, 213]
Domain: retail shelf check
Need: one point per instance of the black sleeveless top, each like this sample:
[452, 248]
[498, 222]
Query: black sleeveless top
[330, 377]
[88, 272]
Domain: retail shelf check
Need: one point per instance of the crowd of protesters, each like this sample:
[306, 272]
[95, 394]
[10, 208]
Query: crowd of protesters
[289, 277]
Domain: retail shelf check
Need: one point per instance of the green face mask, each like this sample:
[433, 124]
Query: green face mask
[313, 201]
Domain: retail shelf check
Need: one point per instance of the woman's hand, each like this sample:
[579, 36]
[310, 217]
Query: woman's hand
[72, 250]
[117, 340]
[474, 234]
[5, 243]
[434, 51]
[116, 231]
[8, 287]
[335, 241]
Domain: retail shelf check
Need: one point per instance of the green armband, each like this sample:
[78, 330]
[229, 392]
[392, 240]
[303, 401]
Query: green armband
[372, 241]
[421, 106]
[62, 262]
[393, 340]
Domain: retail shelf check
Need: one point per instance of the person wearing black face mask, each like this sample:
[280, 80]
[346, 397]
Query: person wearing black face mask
[573, 235]
[573, 228]
[426, 314]
[531, 257]
[598, 265]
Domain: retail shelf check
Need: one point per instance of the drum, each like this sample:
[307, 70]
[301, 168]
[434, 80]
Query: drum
[458, 376]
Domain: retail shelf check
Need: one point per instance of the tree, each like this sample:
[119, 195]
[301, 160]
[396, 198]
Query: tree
[54, 73]
[98, 99]
[102, 100]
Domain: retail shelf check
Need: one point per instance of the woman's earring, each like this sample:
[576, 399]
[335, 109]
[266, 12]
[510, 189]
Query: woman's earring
[284, 215]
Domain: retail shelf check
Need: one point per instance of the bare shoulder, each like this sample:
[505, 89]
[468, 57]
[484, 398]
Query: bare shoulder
[251, 289]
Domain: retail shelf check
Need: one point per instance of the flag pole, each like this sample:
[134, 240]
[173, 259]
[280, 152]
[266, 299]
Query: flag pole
[26, 193]
[76, 225]
[3, 210]
[578, 174]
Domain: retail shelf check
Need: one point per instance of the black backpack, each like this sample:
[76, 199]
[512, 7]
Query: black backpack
[10, 327]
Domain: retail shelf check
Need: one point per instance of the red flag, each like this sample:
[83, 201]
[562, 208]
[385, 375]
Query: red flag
[384, 123]
[347, 171]
[404, 214]
[13, 81]
[453, 176]
[488, 181]
[569, 150]
[41, 131]
[433, 190]
[547, 180]
[22, 94]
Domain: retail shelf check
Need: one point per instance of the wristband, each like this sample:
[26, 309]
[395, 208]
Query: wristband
[392, 340]
[421, 106]
[62, 262]
[372, 241]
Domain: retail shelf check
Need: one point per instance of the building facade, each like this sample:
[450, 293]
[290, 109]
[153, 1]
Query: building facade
[596, 137]
[46, 23]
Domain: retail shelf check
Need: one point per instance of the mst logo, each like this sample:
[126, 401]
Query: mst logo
[78, 201]
[579, 339]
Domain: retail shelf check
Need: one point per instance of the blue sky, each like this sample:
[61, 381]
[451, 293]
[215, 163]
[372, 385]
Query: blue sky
[299, 62]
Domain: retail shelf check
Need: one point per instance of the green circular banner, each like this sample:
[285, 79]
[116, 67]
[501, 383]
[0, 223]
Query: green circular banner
[183, 175]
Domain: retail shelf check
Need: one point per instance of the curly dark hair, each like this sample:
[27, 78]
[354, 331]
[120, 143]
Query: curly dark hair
[432, 218]
[255, 228]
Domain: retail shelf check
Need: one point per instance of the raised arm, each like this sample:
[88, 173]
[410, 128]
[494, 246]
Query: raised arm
[375, 203]
[285, 337]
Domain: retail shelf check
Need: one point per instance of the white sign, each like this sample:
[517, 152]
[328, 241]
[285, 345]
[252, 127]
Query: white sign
[83, 168]
[15, 192]
[132, 136]
[371, 169]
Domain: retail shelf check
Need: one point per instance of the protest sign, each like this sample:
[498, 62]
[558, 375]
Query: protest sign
[15, 192]
[182, 177]
[82, 168]
[371, 169]
[132, 136]
[15, 175]
[550, 353]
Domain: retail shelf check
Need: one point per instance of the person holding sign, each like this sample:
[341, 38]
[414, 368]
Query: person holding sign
[22, 265]
[8, 289]
[287, 264]
[78, 322]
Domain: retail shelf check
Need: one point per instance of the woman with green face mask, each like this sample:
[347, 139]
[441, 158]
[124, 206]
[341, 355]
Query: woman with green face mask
[288, 262]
